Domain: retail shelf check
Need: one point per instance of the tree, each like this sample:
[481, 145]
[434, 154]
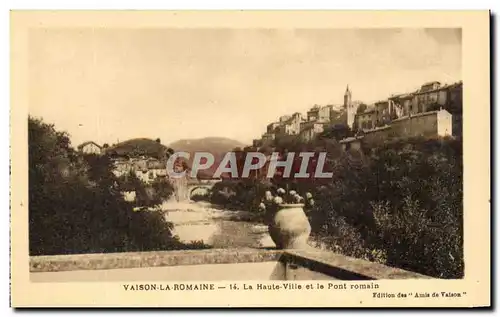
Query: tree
[75, 207]
[362, 108]
[402, 201]
[158, 140]
[338, 132]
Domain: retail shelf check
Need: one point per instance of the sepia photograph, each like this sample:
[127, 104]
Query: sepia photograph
[244, 159]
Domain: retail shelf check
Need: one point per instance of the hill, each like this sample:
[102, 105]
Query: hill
[210, 144]
[217, 146]
[138, 147]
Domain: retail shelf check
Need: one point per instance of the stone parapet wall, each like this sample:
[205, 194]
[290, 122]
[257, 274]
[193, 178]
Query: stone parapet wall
[55, 263]
[290, 264]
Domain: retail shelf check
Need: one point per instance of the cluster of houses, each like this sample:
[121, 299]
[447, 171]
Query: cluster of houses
[147, 169]
[317, 119]
[432, 110]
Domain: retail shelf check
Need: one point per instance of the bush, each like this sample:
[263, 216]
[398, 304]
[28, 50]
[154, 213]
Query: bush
[404, 199]
[162, 190]
[200, 197]
[147, 195]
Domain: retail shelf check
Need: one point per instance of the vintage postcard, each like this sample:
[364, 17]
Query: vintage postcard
[250, 159]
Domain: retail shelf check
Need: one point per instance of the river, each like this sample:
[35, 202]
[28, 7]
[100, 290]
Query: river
[202, 221]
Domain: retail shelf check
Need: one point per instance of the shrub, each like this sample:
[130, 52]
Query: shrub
[147, 195]
[200, 197]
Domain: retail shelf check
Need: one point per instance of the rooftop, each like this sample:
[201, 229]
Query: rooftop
[367, 111]
[402, 96]
[431, 83]
[87, 143]
[385, 127]
[350, 139]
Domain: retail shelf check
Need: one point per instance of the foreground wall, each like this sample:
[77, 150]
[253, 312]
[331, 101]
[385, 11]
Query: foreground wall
[210, 265]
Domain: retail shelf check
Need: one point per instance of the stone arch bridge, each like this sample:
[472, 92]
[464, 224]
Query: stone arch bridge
[200, 187]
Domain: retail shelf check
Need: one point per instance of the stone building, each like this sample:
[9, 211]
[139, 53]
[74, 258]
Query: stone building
[295, 123]
[432, 95]
[284, 118]
[321, 113]
[338, 115]
[291, 126]
[384, 112]
[156, 169]
[271, 128]
[310, 129]
[428, 94]
[430, 86]
[428, 124]
[366, 120]
[90, 147]
[402, 104]
[267, 138]
[122, 166]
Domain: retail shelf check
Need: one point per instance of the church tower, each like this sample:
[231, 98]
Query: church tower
[349, 107]
[347, 98]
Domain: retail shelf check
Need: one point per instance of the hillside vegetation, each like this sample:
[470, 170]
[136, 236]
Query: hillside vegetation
[139, 147]
[399, 204]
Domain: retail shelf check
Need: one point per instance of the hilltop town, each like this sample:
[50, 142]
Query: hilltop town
[432, 110]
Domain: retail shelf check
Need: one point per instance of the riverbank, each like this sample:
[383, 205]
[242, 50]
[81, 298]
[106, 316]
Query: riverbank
[214, 226]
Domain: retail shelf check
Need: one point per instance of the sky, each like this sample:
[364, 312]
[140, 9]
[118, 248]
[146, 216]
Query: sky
[109, 85]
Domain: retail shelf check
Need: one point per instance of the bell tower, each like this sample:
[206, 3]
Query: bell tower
[349, 108]
[347, 98]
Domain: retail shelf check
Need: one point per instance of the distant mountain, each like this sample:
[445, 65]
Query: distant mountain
[138, 147]
[217, 146]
